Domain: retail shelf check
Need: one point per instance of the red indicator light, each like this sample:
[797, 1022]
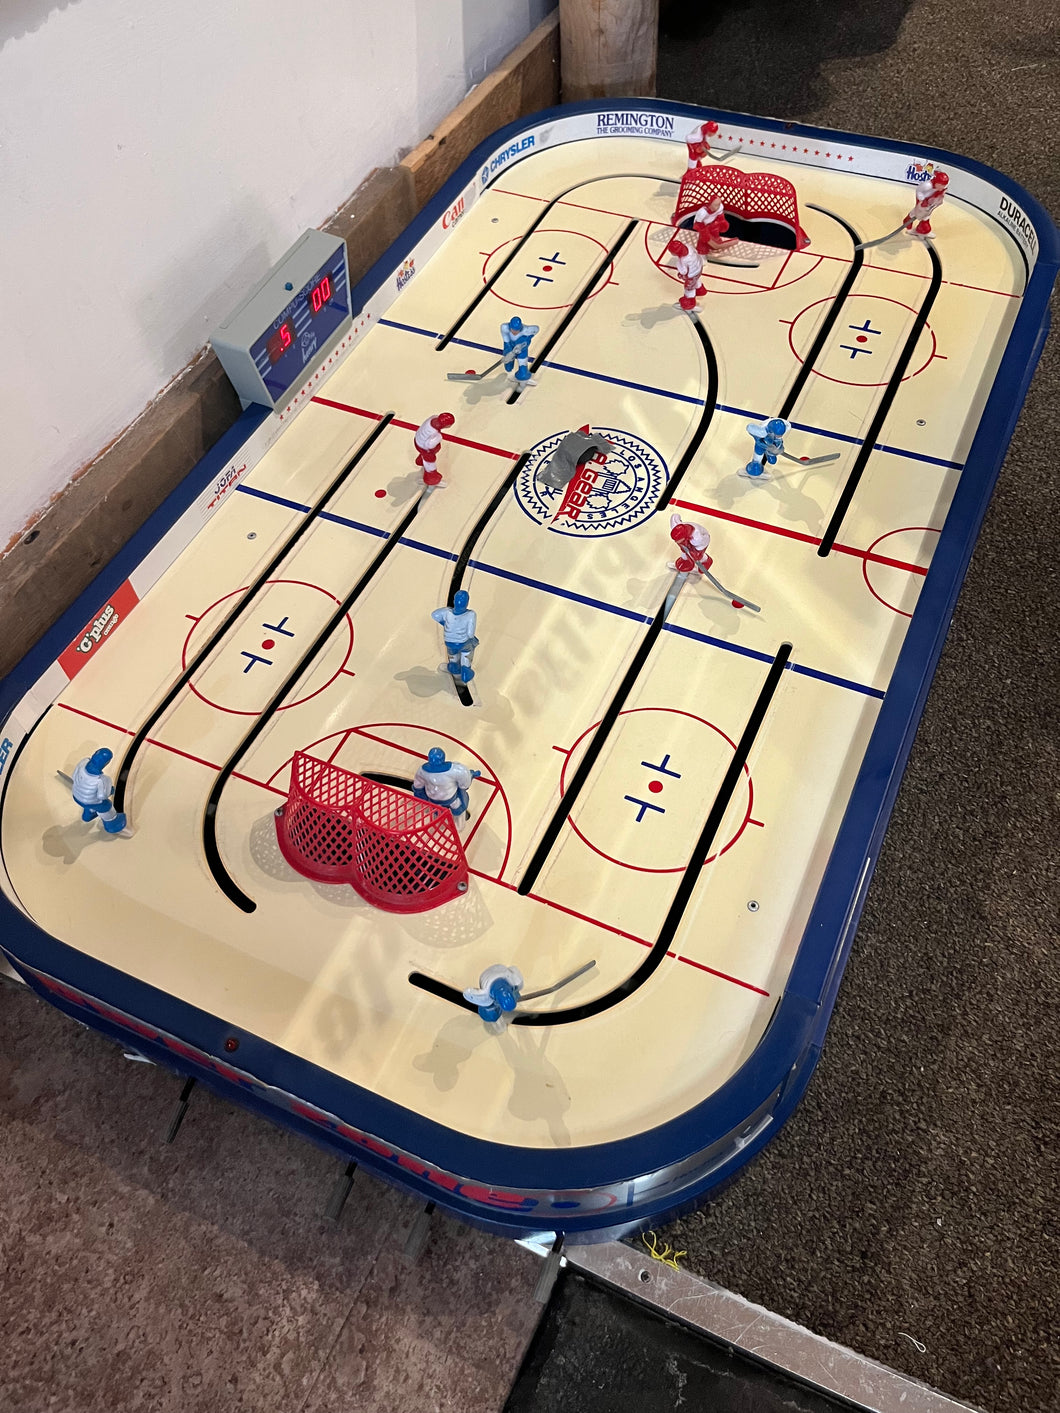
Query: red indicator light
[320, 294]
[280, 342]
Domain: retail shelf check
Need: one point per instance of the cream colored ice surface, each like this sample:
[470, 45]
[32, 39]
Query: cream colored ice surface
[565, 591]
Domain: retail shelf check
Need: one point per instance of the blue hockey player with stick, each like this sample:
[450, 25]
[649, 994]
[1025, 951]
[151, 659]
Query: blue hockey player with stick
[516, 337]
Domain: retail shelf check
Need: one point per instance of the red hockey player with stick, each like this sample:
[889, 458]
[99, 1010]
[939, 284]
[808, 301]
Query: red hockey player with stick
[692, 541]
[918, 221]
[697, 144]
[428, 440]
[689, 266]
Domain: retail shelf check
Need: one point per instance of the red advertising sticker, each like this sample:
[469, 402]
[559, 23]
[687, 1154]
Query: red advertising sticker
[98, 629]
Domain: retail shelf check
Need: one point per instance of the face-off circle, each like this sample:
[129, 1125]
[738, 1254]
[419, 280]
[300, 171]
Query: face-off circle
[652, 789]
[267, 643]
[602, 498]
[549, 271]
[864, 344]
[894, 559]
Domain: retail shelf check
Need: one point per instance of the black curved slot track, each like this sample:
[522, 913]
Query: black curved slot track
[121, 784]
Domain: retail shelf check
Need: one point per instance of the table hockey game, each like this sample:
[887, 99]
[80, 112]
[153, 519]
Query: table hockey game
[683, 779]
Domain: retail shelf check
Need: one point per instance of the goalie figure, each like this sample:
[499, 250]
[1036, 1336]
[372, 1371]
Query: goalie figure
[689, 266]
[458, 630]
[918, 222]
[444, 782]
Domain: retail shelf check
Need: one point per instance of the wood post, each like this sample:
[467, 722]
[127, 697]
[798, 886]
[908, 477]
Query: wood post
[608, 48]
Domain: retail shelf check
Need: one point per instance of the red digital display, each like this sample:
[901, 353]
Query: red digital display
[280, 342]
[320, 294]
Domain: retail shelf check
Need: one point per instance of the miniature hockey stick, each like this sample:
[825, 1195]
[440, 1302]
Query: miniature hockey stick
[734, 264]
[548, 990]
[66, 779]
[736, 599]
[810, 460]
[475, 377]
[726, 155]
[868, 244]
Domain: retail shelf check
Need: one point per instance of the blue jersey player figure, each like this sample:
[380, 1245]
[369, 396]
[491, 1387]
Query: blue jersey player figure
[769, 444]
[497, 992]
[516, 337]
[444, 782]
[92, 791]
[458, 629]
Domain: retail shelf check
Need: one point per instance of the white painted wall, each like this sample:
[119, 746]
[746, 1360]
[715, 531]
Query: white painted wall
[155, 160]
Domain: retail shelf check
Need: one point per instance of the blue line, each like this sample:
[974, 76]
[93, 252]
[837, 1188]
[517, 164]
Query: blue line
[717, 642]
[559, 367]
[428, 549]
[696, 401]
[852, 441]
[624, 383]
[563, 593]
[354, 524]
[768, 657]
[276, 500]
[837, 681]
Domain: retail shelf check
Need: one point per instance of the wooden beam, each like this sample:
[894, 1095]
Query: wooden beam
[608, 48]
[526, 81]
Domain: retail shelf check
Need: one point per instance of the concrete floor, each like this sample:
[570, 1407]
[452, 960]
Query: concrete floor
[145, 1278]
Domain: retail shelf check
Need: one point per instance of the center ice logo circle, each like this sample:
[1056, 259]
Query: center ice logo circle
[604, 497]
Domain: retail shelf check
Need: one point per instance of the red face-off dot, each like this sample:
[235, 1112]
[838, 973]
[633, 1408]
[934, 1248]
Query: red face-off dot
[863, 338]
[546, 268]
[380, 494]
[655, 786]
[268, 645]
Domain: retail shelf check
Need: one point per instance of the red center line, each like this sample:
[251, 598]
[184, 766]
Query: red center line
[798, 535]
[414, 427]
[618, 932]
[173, 750]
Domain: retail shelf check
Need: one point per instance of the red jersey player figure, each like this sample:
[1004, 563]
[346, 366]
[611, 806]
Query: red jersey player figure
[918, 222]
[692, 541]
[710, 225]
[697, 144]
[428, 440]
[689, 266]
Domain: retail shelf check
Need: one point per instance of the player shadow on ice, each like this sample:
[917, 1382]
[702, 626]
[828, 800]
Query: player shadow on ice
[495, 386]
[403, 490]
[67, 842]
[425, 681]
[654, 314]
[784, 488]
[538, 1092]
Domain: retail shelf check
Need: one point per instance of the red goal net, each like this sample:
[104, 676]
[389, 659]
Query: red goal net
[399, 853]
[760, 199]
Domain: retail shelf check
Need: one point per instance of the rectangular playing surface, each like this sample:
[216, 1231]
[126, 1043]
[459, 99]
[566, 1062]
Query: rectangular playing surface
[607, 738]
